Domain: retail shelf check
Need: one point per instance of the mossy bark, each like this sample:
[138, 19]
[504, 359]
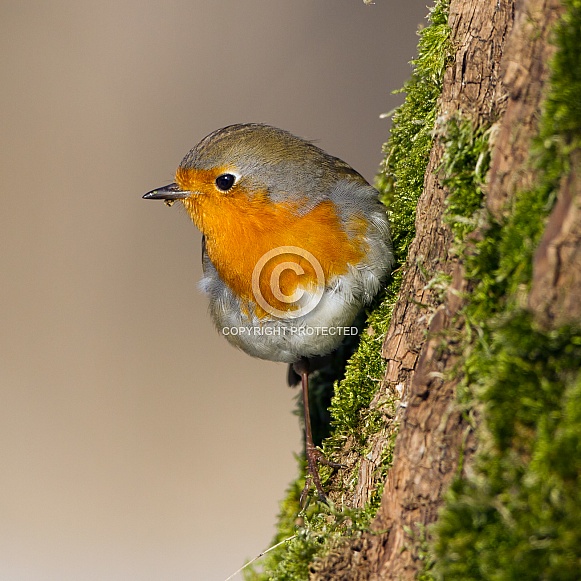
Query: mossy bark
[497, 81]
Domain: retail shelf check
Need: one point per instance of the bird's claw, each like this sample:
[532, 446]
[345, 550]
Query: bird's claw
[314, 457]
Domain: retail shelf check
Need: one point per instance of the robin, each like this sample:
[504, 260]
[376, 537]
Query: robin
[295, 242]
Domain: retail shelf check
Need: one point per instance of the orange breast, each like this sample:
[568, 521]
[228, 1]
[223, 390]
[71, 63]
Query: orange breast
[241, 229]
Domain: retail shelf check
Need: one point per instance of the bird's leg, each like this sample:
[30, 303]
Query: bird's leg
[313, 455]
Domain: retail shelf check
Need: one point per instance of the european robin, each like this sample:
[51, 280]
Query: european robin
[295, 242]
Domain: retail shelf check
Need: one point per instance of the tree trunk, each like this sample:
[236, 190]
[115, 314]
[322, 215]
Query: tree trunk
[498, 79]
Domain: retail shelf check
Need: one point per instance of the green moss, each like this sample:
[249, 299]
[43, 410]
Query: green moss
[517, 516]
[561, 128]
[320, 527]
[465, 163]
[354, 393]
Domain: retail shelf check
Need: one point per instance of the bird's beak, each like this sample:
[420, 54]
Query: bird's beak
[171, 192]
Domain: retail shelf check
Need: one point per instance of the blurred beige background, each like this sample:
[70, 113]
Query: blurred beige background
[135, 443]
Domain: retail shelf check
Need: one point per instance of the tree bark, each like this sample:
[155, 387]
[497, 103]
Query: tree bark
[555, 296]
[498, 77]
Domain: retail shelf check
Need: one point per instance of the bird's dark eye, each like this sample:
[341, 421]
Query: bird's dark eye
[225, 181]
